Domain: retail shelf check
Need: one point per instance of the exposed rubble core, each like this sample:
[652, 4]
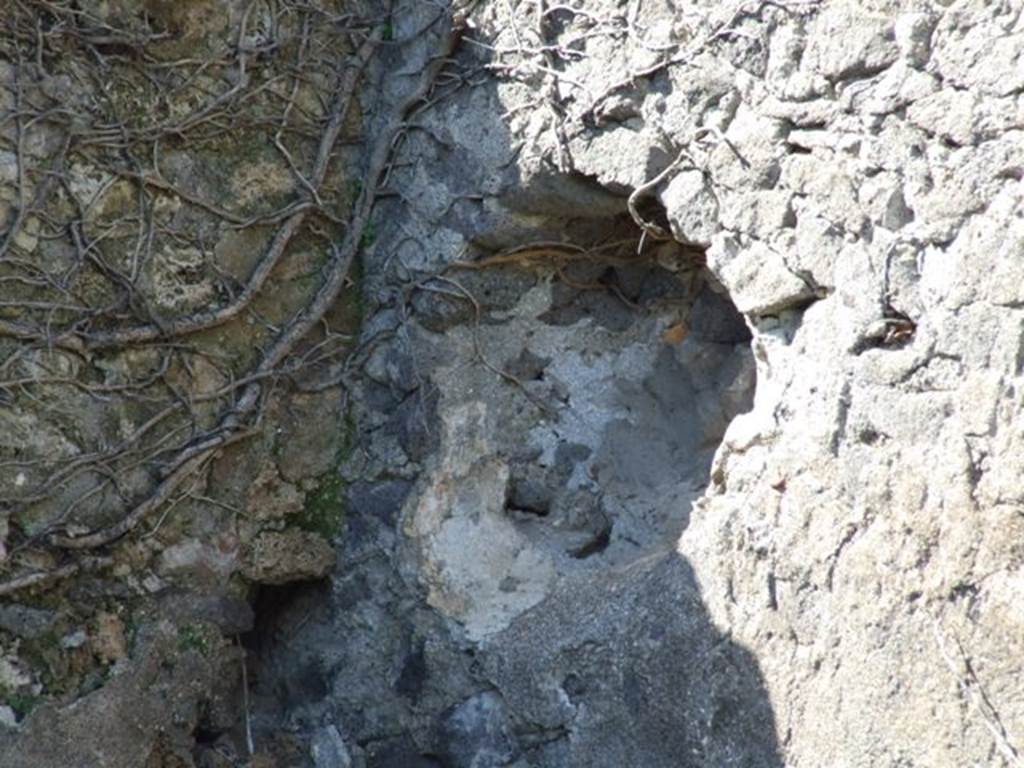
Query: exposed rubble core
[556, 407]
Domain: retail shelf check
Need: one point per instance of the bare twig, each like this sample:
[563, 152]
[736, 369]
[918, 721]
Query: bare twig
[478, 349]
[974, 692]
[48, 577]
[250, 745]
[651, 229]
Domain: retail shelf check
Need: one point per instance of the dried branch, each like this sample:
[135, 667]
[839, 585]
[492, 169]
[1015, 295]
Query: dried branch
[241, 418]
[972, 689]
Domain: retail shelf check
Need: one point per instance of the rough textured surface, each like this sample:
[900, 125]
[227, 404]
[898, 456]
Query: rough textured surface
[153, 156]
[144, 716]
[853, 175]
[750, 496]
[278, 558]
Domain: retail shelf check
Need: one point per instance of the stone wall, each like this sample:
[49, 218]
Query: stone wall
[683, 423]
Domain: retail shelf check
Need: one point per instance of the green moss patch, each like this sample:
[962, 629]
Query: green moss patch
[324, 511]
[193, 637]
[21, 703]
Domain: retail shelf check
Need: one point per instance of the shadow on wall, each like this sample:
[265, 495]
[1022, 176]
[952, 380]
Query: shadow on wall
[624, 669]
[619, 666]
[627, 670]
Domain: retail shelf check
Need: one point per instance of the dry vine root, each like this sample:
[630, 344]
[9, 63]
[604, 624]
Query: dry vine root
[175, 234]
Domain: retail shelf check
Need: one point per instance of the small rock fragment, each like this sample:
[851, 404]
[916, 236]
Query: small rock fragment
[108, 641]
[328, 749]
[291, 555]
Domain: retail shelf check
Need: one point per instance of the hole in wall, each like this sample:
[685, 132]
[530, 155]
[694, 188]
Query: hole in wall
[281, 686]
[582, 404]
[639, 361]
